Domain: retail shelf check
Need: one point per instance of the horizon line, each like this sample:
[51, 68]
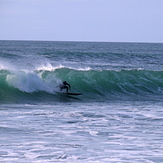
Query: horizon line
[82, 41]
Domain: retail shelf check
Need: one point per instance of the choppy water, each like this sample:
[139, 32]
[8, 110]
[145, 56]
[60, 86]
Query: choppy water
[117, 119]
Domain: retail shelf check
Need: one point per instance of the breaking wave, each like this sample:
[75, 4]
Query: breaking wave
[42, 84]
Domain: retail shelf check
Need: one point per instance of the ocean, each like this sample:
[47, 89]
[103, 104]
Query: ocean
[117, 119]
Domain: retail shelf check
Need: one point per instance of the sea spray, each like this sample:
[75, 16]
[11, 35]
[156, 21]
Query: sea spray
[26, 82]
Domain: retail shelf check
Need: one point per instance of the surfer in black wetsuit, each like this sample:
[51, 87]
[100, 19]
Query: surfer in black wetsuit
[65, 85]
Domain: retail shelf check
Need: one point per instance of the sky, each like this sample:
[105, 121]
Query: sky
[82, 20]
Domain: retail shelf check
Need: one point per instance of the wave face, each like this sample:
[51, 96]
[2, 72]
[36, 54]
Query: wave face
[42, 85]
[106, 82]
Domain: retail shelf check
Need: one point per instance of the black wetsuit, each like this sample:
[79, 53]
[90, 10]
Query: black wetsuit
[65, 85]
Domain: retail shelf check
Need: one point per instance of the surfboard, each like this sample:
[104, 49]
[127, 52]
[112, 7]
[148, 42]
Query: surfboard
[70, 93]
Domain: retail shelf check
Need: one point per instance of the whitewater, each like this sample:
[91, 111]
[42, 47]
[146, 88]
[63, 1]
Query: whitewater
[118, 118]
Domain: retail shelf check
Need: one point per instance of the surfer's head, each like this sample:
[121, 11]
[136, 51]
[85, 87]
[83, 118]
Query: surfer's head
[64, 82]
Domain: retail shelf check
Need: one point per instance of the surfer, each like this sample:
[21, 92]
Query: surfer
[65, 85]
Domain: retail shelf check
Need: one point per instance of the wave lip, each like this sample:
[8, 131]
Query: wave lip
[49, 67]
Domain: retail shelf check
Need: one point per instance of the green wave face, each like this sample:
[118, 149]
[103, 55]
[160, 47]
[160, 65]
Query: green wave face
[41, 85]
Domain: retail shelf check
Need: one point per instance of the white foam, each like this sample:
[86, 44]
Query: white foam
[48, 67]
[77, 68]
[84, 69]
[27, 82]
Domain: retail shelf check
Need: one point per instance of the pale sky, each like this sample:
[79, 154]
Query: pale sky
[82, 20]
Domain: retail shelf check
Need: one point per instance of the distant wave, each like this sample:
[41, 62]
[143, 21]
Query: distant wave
[42, 83]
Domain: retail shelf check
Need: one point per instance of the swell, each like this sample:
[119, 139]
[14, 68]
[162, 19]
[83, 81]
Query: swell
[41, 85]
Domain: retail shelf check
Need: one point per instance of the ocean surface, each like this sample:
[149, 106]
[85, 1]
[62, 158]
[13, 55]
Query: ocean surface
[117, 119]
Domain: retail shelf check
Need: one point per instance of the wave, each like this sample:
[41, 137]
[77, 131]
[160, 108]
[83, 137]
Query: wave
[42, 84]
